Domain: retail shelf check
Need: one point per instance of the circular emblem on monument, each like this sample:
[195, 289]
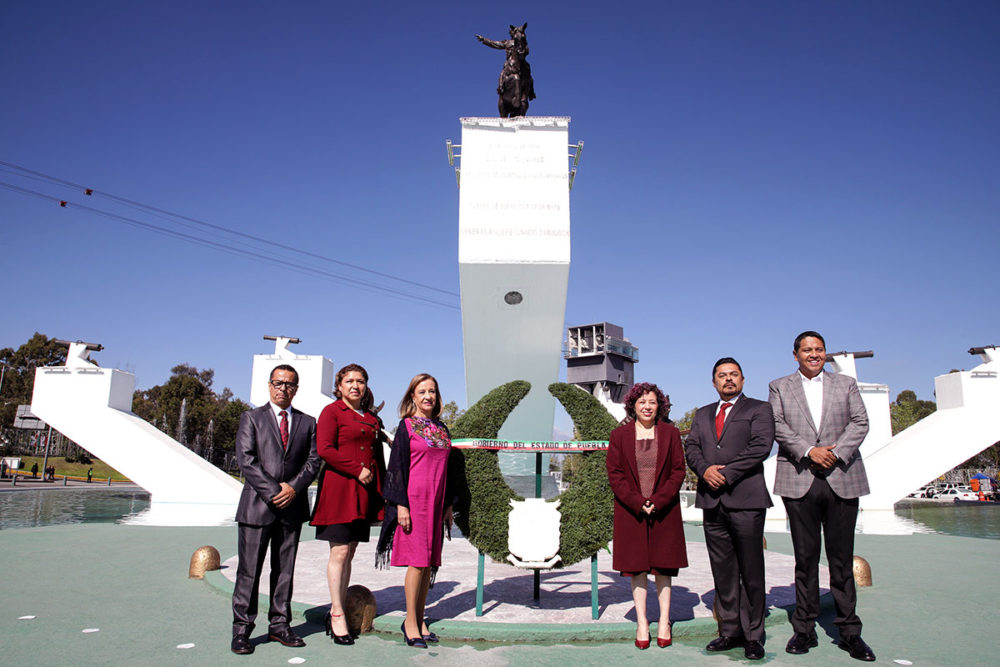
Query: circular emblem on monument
[513, 298]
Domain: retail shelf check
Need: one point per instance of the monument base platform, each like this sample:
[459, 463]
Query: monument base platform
[562, 613]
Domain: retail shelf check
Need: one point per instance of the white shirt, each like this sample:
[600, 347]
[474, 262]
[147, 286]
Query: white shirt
[731, 401]
[277, 415]
[814, 396]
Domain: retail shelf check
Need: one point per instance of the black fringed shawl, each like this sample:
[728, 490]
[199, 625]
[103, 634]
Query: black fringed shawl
[394, 489]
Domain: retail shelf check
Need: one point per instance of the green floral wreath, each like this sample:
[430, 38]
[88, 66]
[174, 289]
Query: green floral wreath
[586, 507]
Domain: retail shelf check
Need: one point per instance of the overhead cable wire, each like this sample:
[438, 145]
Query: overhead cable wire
[308, 270]
[219, 228]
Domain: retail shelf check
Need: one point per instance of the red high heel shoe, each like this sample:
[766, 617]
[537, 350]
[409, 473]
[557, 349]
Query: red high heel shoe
[641, 644]
[663, 643]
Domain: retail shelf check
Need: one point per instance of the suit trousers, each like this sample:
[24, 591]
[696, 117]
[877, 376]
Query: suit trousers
[735, 542]
[820, 508]
[283, 539]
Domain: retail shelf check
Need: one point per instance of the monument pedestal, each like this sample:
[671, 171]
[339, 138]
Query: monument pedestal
[514, 255]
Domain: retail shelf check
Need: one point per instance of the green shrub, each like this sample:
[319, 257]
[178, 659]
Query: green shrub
[484, 501]
[481, 513]
[587, 506]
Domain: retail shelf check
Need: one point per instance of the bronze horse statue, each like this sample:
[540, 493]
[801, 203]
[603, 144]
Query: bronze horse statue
[516, 87]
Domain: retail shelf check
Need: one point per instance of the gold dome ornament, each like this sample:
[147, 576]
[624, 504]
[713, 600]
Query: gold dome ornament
[359, 609]
[862, 572]
[202, 560]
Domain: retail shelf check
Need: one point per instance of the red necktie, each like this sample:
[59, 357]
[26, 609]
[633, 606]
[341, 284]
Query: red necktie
[283, 427]
[720, 419]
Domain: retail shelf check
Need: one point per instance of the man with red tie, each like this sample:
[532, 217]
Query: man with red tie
[276, 453]
[726, 448]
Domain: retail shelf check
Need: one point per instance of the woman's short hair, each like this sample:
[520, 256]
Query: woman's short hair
[407, 408]
[343, 372]
[642, 388]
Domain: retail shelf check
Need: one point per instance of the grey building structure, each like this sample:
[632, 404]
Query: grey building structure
[600, 359]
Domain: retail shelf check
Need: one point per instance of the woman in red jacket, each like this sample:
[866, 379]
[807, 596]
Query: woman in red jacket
[349, 440]
[645, 469]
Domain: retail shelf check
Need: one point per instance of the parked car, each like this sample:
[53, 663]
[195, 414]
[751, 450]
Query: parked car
[924, 492]
[958, 493]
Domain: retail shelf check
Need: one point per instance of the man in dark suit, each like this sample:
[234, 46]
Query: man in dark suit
[819, 422]
[727, 445]
[276, 452]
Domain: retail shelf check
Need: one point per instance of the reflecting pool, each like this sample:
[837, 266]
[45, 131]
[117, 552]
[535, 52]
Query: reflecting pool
[29, 508]
[950, 519]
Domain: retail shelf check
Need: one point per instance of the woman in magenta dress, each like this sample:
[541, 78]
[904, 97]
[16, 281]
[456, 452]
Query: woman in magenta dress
[419, 500]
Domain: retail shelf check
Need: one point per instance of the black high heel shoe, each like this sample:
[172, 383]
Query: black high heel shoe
[416, 642]
[343, 640]
[431, 638]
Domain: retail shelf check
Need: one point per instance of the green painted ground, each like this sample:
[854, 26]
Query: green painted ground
[933, 603]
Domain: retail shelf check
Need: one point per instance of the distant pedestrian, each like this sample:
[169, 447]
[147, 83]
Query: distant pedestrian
[34, 470]
[3, 469]
[90, 475]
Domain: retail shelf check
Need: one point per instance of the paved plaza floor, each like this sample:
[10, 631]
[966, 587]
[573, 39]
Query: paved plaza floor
[119, 595]
[563, 610]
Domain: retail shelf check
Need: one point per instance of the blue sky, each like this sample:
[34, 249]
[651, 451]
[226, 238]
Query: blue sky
[751, 170]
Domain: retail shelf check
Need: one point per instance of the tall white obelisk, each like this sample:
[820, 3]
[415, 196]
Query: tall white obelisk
[514, 254]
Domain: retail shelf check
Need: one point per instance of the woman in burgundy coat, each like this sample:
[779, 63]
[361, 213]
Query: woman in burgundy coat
[349, 440]
[645, 469]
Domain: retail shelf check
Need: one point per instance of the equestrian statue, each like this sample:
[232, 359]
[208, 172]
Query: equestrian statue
[516, 87]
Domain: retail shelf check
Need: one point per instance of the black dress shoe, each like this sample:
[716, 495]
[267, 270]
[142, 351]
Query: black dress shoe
[241, 645]
[416, 642]
[724, 643]
[801, 643]
[343, 640]
[432, 638]
[753, 650]
[286, 637]
[858, 649]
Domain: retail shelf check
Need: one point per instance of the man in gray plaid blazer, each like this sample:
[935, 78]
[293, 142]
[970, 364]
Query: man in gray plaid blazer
[819, 423]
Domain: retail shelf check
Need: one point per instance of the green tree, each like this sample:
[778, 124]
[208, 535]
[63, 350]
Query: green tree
[226, 422]
[450, 413]
[907, 410]
[161, 406]
[19, 374]
[571, 465]
[684, 423]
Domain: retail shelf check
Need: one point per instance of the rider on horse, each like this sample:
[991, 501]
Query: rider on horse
[516, 87]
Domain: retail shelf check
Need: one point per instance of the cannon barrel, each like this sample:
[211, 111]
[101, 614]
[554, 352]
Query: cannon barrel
[290, 339]
[93, 347]
[862, 354]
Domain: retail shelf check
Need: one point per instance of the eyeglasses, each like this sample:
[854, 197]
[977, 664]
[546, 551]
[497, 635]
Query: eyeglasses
[278, 384]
